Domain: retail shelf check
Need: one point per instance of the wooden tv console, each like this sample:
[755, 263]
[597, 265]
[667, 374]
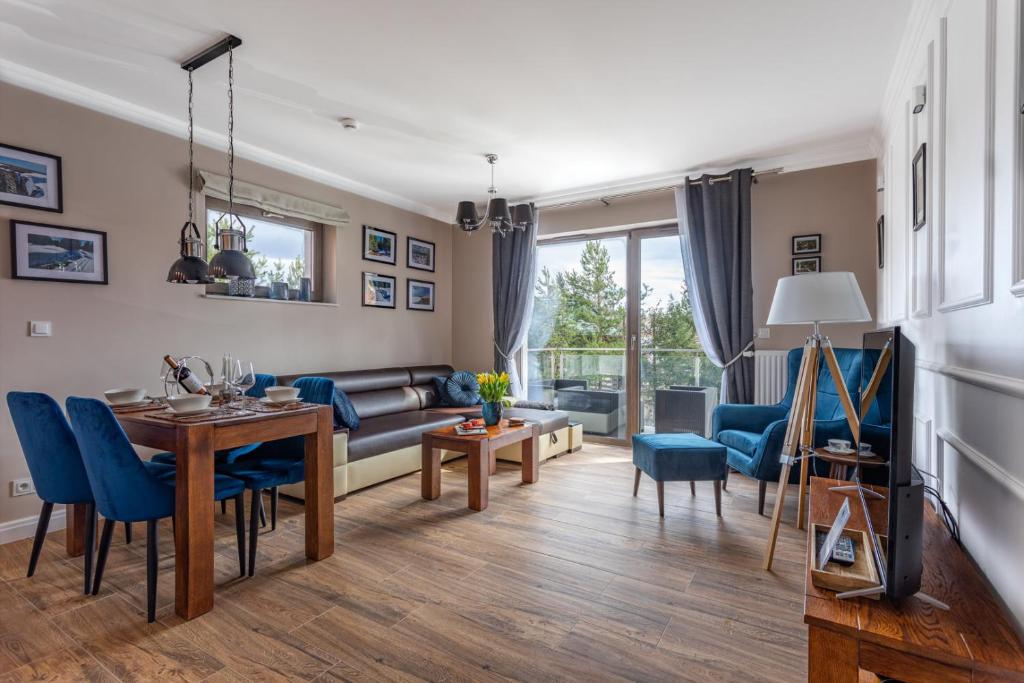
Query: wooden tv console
[973, 641]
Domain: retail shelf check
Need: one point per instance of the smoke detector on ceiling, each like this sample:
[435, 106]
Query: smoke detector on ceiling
[349, 123]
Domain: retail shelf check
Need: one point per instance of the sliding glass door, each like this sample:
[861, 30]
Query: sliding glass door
[611, 327]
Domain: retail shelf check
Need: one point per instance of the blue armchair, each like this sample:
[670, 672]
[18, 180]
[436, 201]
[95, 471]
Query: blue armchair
[753, 435]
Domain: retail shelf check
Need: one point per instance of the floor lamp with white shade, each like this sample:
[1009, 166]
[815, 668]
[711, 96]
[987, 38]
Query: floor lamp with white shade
[812, 299]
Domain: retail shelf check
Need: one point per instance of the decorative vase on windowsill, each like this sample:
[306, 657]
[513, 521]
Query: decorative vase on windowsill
[493, 390]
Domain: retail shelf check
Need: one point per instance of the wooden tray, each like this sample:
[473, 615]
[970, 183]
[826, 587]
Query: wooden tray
[833, 576]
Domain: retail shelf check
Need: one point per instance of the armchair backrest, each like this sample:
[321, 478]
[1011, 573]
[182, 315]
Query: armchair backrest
[880, 411]
[123, 487]
[827, 406]
[50, 448]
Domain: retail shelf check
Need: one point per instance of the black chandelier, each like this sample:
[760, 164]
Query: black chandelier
[231, 259]
[502, 221]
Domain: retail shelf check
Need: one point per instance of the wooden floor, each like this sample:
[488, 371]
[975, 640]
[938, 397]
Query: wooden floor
[568, 579]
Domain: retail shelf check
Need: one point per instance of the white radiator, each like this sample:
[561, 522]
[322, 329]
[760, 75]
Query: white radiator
[769, 376]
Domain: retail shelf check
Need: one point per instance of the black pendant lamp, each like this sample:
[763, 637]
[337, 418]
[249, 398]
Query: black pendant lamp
[502, 220]
[231, 259]
[191, 267]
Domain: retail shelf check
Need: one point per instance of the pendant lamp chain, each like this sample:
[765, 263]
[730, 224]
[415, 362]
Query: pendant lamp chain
[191, 151]
[231, 134]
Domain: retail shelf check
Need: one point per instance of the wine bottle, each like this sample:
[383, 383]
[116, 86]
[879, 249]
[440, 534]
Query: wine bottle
[188, 381]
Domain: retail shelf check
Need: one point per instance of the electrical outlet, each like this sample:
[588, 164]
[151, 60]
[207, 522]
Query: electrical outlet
[22, 487]
[764, 333]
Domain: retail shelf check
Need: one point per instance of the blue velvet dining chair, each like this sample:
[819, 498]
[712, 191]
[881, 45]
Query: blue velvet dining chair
[753, 434]
[55, 464]
[128, 489]
[276, 463]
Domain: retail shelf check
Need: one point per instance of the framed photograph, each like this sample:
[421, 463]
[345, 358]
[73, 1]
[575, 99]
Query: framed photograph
[880, 237]
[807, 244]
[420, 295]
[419, 254]
[30, 179]
[378, 290]
[57, 253]
[919, 184]
[380, 245]
[806, 264]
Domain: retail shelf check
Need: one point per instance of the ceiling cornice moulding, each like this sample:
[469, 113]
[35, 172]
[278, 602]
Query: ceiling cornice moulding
[855, 148]
[51, 86]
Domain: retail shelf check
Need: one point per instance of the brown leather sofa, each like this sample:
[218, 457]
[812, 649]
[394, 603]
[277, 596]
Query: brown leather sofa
[395, 407]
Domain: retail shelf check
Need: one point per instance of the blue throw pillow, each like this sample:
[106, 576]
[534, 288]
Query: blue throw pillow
[462, 389]
[345, 414]
[442, 393]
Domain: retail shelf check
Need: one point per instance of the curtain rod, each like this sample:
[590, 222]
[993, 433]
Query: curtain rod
[606, 199]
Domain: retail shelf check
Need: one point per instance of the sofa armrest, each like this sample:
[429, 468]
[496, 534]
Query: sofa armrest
[748, 418]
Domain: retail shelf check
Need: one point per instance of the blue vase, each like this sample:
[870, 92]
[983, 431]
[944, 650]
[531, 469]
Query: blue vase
[492, 413]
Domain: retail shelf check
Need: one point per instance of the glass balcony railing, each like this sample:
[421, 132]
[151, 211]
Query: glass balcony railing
[593, 380]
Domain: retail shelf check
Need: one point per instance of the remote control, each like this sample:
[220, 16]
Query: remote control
[843, 552]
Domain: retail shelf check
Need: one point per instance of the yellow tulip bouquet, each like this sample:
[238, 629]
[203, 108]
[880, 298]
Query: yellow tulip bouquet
[493, 390]
[494, 387]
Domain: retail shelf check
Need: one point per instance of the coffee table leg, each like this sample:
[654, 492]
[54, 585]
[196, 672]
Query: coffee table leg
[479, 475]
[531, 459]
[430, 478]
[493, 461]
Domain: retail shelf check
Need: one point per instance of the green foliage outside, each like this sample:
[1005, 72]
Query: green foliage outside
[584, 308]
[267, 271]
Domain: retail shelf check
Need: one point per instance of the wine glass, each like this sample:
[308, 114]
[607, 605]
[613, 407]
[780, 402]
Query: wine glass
[244, 376]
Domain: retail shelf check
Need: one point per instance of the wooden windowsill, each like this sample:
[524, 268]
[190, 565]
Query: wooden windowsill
[225, 297]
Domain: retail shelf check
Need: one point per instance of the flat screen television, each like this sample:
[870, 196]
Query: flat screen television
[887, 424]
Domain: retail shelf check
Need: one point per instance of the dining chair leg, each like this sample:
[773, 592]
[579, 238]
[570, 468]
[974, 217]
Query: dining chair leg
[224, 507]
[101, 561]
[90, 547]
[128, 532]
[762, 487]
[151, 573]
[240, 531]
[254, 529]
[636, 481]
[263, 514]
[37, 544]
[273, 508]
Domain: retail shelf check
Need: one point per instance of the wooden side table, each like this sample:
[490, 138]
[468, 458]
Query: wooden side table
[480, 448]
[839, 464]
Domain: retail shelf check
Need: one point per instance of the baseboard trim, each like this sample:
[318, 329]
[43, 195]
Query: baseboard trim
[1002, 384]
[989, 466]
[18, 529]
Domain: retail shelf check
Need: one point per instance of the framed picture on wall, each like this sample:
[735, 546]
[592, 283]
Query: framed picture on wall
[807, 244]
[420, 295]
[806, 264]
[378, 290]
[30, 179]
[880, 237]
[919, 185]
[419, 254]
[380, 245]
[57, 253]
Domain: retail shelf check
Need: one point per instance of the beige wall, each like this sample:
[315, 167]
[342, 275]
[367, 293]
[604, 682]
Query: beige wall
[837, 201]
[129, 181]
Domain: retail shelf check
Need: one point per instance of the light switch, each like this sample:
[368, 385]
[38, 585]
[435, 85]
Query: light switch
[764, 332]
[40, 328]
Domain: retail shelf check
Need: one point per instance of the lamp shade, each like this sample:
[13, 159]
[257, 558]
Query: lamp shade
[467, 216]
[231, 263]
[497, 211]
[833, 297]
[522, 215]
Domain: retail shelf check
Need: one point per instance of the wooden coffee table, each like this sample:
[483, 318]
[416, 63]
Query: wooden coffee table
[481, 450]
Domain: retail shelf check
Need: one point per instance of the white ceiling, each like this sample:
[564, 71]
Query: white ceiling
[573, 94]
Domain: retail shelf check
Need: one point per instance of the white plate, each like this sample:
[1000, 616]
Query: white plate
[189, 413]
[840, 451]
[270, 402]
[132, 404]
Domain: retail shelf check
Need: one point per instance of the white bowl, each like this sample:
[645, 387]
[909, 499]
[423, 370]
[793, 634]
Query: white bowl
[186, 403]
[281, 394]
[121, 396]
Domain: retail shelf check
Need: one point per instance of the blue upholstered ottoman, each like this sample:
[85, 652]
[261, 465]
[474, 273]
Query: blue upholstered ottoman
[679, 457]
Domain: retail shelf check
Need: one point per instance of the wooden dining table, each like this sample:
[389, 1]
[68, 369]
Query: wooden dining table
[194, 442]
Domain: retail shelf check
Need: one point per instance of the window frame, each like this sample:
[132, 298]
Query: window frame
[316, 258]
